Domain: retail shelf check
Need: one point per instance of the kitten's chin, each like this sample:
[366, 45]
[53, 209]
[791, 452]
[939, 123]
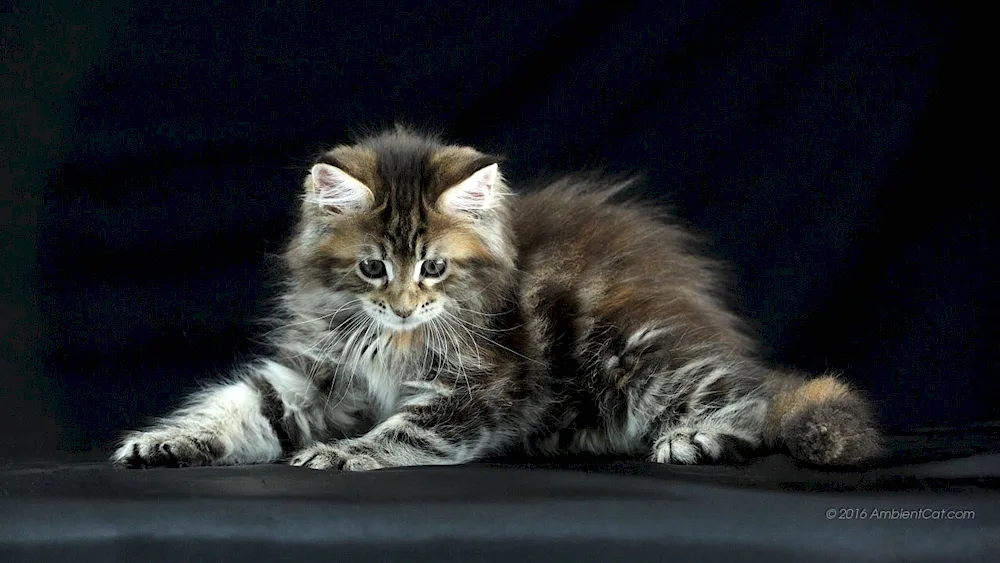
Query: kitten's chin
[400, 326]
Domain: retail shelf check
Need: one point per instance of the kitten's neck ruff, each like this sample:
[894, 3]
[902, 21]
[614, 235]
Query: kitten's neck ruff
[405, 341]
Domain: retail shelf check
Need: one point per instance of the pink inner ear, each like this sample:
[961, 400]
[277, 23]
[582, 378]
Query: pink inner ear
[337, 191]
[479, 193]
[472, 194]
[324, 179]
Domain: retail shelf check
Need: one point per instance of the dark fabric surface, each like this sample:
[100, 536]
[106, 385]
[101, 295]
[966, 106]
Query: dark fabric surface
[770, 510]
[822, 146]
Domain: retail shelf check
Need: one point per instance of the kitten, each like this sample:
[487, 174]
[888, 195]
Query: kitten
[434, 317]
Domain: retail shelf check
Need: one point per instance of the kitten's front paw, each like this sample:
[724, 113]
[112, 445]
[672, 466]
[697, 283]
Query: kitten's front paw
[166, 448]
[343, 455]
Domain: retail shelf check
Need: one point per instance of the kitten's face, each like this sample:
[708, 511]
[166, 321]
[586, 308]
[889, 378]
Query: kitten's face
[405, 230]
[403, 297]
[406, 290]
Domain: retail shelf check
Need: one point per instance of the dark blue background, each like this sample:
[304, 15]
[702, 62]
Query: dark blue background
[831, 150]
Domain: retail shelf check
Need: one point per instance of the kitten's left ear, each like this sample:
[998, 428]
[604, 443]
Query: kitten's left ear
[475, 193]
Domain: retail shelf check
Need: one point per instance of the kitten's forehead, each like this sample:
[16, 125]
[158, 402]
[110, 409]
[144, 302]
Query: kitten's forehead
[403, 163]
[406, 173]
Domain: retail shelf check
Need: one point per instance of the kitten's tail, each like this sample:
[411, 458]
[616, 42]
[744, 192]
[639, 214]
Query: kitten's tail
[822, 421]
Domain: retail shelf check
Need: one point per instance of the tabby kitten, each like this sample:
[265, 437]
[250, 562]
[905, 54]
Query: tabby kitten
[434, 317]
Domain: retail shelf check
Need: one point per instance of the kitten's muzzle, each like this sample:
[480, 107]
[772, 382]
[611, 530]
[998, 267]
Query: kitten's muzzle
[402, 313]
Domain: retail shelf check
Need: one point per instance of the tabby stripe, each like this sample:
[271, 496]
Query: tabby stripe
[714, 394]
[273, 410]
[420, 443]
[408, 433]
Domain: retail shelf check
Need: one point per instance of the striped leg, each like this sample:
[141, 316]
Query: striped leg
[675, 402]
[720, 419]
[441, 426]
[257, 416]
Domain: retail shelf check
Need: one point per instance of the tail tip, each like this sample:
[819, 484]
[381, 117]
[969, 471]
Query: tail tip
[833, 433]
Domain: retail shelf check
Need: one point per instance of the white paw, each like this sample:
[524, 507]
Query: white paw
[345, 455]
[167, 448]
[687, 446]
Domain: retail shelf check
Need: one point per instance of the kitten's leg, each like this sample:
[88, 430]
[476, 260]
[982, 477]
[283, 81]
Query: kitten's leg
[690, 404]
[720, 418]
[736, 407]
[444, 425]
[258, 416]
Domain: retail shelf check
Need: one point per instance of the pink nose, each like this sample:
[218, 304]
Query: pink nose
[403, 313]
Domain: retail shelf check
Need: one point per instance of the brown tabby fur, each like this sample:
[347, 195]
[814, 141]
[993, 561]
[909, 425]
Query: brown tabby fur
[571, 324]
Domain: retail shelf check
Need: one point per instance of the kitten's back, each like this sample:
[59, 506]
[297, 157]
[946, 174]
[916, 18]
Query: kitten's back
[625, 263]
[632, 269]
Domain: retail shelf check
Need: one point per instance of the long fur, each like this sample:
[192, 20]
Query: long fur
[565, 323]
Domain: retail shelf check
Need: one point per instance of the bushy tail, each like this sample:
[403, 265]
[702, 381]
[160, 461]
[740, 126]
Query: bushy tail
[822, 421]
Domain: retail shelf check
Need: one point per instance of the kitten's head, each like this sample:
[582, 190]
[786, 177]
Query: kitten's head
[405, 229]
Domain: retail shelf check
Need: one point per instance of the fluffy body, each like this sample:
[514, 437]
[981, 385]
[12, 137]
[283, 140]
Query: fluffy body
[563, 322]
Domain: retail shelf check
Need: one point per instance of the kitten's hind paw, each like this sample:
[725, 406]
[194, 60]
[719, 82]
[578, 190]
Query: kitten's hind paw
[337, 456]
[166, 448]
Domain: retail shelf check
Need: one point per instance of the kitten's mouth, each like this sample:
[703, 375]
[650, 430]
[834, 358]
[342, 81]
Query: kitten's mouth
[400, 325]
[396, 323]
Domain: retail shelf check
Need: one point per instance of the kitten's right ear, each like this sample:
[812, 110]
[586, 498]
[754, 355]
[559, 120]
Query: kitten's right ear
[338, 192]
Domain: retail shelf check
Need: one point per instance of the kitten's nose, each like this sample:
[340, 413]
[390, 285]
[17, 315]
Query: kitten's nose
[402, 313]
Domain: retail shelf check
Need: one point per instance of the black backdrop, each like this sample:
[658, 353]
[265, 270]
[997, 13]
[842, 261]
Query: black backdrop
[835, 153]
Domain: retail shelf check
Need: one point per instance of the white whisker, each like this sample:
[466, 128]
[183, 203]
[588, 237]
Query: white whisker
[491, 341]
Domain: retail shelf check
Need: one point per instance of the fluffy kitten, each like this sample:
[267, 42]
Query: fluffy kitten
[433, 317]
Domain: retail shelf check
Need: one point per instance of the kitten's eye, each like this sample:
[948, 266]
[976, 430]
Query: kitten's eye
[433, 268]
[370, 268]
